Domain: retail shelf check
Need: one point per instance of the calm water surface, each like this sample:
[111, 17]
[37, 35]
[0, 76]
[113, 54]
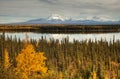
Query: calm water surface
[80, 37]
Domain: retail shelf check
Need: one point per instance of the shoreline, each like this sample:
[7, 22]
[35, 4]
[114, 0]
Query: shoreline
[59, 28]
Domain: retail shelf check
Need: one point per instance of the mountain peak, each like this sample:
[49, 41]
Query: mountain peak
[56, 17]
[90, 20]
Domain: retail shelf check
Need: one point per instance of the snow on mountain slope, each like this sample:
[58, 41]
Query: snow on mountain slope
[98, 18]
[57, 19]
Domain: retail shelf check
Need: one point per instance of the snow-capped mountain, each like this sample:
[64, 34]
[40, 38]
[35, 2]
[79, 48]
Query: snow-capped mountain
[57, 19]
[98, 18]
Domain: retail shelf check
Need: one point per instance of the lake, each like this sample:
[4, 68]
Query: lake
[77, 36]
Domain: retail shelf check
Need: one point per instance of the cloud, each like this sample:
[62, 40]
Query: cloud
[86, 6]
[68, 8]
[49, 1]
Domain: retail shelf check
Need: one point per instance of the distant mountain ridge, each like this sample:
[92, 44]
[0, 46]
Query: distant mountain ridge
[57, 19]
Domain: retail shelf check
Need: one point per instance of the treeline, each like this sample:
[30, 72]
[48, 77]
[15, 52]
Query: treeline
[71, 60]
[59, 28]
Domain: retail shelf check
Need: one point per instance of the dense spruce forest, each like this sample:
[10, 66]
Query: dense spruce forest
[64, 60]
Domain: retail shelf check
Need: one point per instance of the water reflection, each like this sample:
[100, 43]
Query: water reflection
[37, 36]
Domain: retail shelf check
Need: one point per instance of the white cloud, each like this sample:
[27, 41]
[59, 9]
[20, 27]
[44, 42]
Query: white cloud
[68, 8]
[11, 19]
[99, 18]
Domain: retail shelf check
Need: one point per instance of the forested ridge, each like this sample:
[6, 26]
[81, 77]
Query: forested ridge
[59, 28]
[85, 59]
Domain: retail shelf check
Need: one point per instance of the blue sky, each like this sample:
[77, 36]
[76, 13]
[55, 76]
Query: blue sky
[23, 10]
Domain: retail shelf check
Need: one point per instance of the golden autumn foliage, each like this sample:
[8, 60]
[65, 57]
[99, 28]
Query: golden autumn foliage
[65, 60]
[6, 60]
[30, 63]
[94, 75]
[60, 75]
[106, 76]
